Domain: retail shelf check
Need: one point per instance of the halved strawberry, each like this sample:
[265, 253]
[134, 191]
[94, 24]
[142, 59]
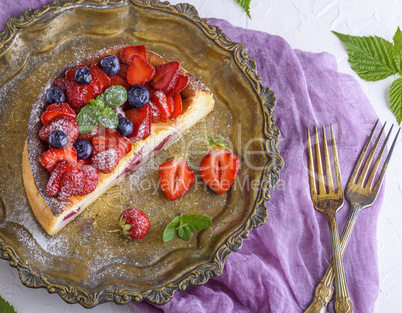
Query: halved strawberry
[70, 74]
[159, 99]
[219, 167]
[141, 119]
[106, 161]
[63, 83]
[181, 83]
[50, 158]
[170, 104]
[56, 109]
[118, 80]
[139, 71]
[79, 95]
[101, 75]
[82, 162]
[64, 122]
[127, 53]
[178, 106]
[123, 70]
[155, 112]
[72, 182]
[166, 76]
[175, 177]
[91, 179]
[111, 140]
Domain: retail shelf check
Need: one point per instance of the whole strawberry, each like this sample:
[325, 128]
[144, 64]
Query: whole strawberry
[134, 224]
[175, 177]
[219, 167]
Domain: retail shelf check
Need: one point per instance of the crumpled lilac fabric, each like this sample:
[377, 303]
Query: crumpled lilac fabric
[282, 261]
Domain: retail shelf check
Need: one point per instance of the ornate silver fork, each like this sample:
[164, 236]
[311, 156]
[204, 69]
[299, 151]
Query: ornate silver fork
[329, 203]
[361, 195]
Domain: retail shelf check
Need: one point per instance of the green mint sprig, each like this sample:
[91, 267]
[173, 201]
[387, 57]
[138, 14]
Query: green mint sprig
[373, 58]
[182, 226]
[100, 110]
[245, 4]
[5, 306]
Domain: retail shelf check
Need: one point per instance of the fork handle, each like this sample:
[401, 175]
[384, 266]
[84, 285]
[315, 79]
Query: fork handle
[325, 290]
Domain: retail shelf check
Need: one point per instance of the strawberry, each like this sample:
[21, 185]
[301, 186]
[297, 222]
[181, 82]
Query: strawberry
[98, 73]
[158, 98]
[70, 74]
[64, 122]
[166, 76]
[139, 71]
[118, 80]
[56, 109]
[106, 161]
[123, 70]
[181, 84]
[50, 158]
[155, 112]
[72, 181]
[63, 83]
[134, 224]
[170, 104]
[141, 119]
[54, 184]
[127, 53]
[86, 161]
[219, 167]
[91, 179]
[178, 106]
[175, 177]
[78, 95]
[111, 140]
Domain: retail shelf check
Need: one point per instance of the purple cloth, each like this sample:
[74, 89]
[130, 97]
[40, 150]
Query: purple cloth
[282, 261]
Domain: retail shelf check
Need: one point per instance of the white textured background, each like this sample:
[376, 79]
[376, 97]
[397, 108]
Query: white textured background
[306, 25]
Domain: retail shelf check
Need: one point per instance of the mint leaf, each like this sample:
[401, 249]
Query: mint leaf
[245, 4]
[108, 118]
[395, 98]
[372, 58]
[196, 222]
[182, 226]
[398, 40]
[87, 119]
[6, 307]
[115, 96]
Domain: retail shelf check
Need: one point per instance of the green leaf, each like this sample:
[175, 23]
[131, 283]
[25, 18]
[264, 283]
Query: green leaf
[395, 98]
[108, 118]
[115, 96]
[372, 58]
[170, 230]
[245, 4]
[196, 222]
[398, 40]
[184, 232]
[88, 119]
[6, 307]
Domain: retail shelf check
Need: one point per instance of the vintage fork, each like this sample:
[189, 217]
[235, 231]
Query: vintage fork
[360, 197]
[329, 203]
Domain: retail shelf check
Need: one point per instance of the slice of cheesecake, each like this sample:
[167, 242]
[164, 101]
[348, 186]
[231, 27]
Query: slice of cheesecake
[53, 214]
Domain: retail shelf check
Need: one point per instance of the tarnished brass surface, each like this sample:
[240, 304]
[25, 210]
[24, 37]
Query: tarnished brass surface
[328, 201]
[360, 196]
[89, 267]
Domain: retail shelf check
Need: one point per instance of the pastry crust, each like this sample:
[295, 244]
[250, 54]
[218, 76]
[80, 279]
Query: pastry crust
[197, 103]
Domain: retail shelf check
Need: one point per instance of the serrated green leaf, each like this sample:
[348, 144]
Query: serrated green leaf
[210, 140]
[108, 118]
[115, 96]
[372, 58]
[88, 119]
[170, 231]
[184, 232]
[196, 222]
[398, 40]
[395, 99]
[6, 307]
[245, 4]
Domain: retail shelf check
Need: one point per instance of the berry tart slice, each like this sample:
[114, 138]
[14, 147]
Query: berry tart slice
[102, 117]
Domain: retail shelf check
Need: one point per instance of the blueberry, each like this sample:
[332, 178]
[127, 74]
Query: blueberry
[84, 148]
[110, 65]
[58, 139]
[83, 76]
[138, 96]
[125, 126]
[55, 95]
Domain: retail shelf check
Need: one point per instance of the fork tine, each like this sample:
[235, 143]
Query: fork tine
[321, 186]
[367, 165]
[327, 164]
[311, 165]
[359, 162]
[384, 168]
[377, 162]
[336, 162]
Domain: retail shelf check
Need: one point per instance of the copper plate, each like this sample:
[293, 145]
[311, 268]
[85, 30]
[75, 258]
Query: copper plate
[90, 267]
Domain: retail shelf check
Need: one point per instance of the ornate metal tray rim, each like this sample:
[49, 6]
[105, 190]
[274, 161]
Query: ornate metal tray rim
[269, 176]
